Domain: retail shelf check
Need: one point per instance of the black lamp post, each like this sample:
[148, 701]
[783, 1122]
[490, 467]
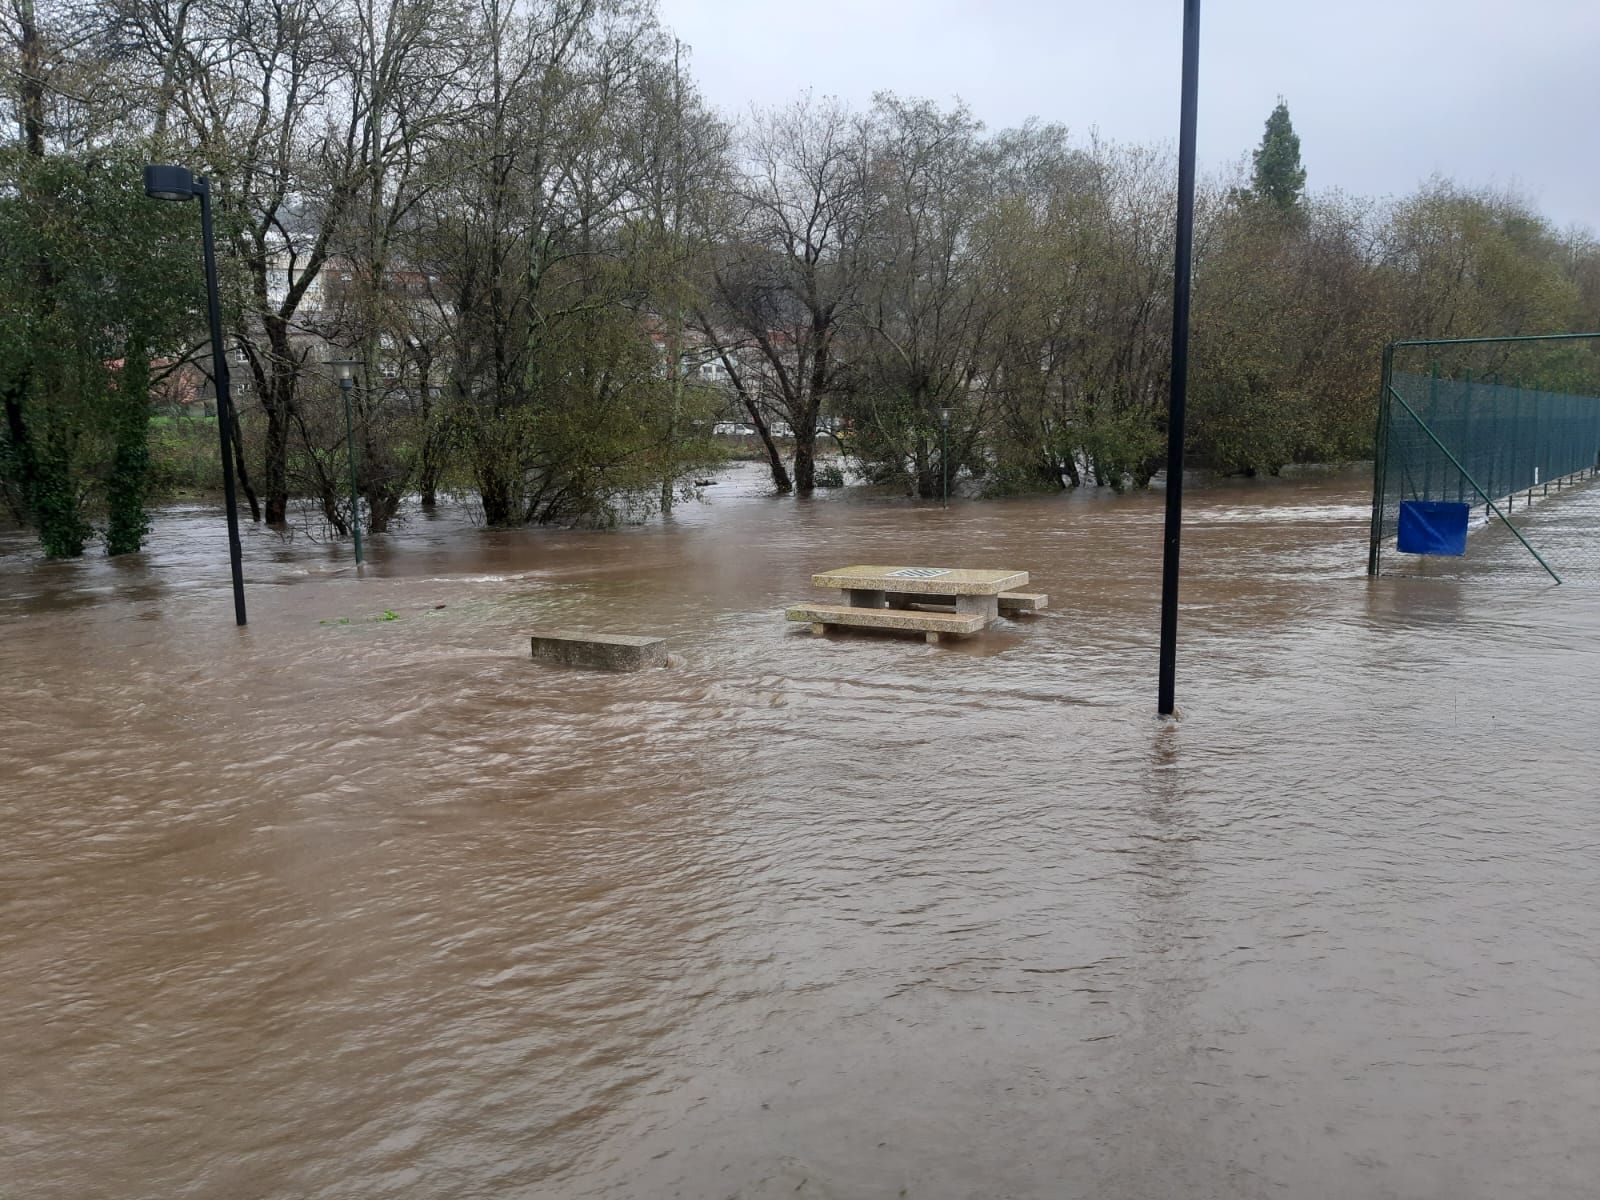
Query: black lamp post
[344, 370]
[179, 183]
[1165, 701]
[944, 453]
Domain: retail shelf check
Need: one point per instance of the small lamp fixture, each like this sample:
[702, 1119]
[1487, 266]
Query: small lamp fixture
[344, 370]
[944, 417]
[169, 183]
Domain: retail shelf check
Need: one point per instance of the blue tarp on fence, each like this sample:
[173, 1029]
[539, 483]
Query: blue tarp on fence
[1433, 527]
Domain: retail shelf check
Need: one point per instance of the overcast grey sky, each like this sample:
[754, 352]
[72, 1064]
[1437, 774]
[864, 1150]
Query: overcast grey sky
[1383, 94]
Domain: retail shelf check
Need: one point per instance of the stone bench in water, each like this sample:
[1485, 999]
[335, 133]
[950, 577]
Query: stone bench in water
[604, 651]
[932, 625]
[1010, 604]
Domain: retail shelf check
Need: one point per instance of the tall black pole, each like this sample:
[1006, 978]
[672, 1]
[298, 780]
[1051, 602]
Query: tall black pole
[346, 383]
[944, 455]
[1180, 356]
[219, 371]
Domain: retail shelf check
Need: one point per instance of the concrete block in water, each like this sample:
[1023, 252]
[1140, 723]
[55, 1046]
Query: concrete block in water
[605, 651]
[1012, 603]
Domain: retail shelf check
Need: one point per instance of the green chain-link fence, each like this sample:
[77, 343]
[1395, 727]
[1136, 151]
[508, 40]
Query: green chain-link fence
[1509, 429]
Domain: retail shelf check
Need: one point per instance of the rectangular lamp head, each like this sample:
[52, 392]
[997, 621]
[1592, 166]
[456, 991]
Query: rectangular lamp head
[168, 182]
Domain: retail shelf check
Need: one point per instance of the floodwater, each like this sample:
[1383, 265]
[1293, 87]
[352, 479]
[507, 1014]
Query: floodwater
[383, 909]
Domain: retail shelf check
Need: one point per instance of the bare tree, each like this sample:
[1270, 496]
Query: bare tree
[400, 62]
[926, 315]
[789, 274]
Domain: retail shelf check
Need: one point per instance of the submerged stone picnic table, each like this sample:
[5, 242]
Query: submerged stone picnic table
[885, 597]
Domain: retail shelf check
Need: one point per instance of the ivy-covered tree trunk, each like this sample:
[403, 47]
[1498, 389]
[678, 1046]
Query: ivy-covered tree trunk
[278, 401]
[275, 453]
[931, 480]
[18, 459]
[17, 467]
[805, 460]
[382, 506]
[57, 507]
[804, 420]
[495, 490]
[383, 482]
[275, 459]
[128, 482]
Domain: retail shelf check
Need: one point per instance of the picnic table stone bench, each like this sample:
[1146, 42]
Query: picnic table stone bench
[911, 598]
[931, 624]
[1011, 604]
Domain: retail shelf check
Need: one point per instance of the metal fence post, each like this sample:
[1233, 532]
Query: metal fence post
[1380, 463]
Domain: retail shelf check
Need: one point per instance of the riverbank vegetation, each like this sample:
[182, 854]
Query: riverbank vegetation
[557, 270]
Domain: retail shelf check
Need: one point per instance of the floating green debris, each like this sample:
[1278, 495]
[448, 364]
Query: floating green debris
[387, 614]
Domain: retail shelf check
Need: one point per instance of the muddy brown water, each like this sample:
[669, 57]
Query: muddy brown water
[384, 909]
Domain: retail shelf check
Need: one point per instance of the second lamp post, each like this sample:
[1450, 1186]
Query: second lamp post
[944, 453]
[344, 370]
[168, 182]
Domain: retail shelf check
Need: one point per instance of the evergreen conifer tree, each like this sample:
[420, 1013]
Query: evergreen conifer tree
[1279, 178]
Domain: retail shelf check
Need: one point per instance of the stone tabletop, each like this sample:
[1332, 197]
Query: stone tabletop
[922, 581]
